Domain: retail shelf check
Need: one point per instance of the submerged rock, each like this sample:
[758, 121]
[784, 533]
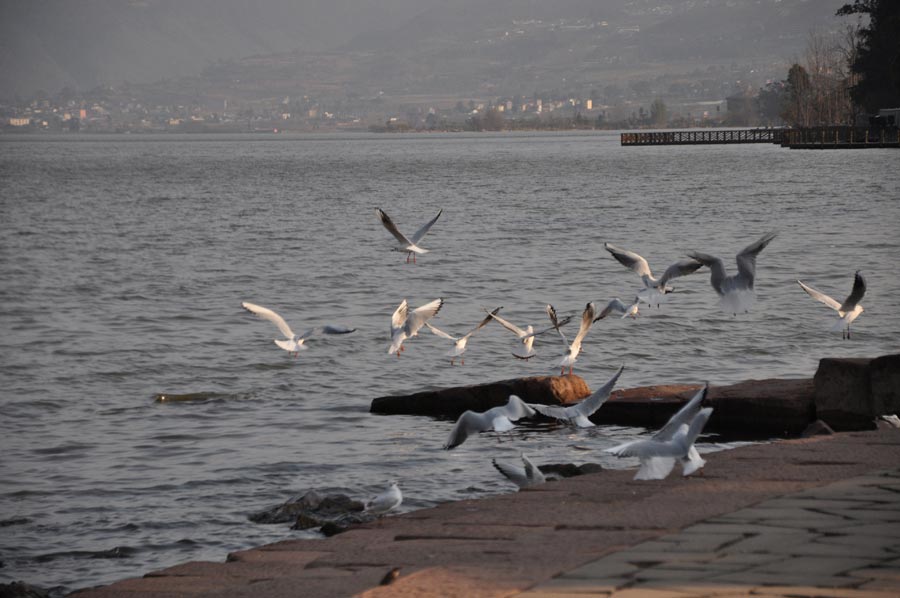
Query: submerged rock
[569, 470]
[313, 509]
[18, 589]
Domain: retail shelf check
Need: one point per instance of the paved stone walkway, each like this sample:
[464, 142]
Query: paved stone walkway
[841, 540]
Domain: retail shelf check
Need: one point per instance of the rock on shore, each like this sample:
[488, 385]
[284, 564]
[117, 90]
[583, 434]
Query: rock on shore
[451, 402]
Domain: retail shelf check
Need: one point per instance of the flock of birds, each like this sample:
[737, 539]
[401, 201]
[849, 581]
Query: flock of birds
[658, 455]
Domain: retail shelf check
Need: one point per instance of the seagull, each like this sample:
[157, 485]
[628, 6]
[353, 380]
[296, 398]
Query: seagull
[409, 245]
[523, 477]
[736, 291]
[294, 342]
[460, 341]
[526, 336]
[498, 419]
[579, 413]
[658, 456]
[388, 500]
[654, 289]
[849, 310]
[406, 325]
[616, 305]
[573, 349]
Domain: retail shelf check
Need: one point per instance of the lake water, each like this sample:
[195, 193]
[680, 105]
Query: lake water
[124, 261]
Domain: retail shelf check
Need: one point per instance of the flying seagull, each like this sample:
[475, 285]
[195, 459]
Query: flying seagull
[386, 501]
[615, 305]
[293, 343]
[460, 342]
[691, 461]
[525, 350]
[736, 291]
[654, 290]
[658, 457]
[579, 413]
[406, 325]
[573, 349]
[523, 477]
[498, 419]
[409, 245]
[849, 310]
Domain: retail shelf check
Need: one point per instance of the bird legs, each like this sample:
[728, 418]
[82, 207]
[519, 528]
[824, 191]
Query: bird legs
[411, 254]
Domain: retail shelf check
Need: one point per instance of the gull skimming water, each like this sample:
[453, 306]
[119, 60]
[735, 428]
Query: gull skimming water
[406, 325]
[579, 414]
[523, 477]
[525, 350]
[293, 343]
[460, 342]
[498, 419]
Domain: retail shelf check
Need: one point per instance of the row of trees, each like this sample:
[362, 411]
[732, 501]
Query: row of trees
[844, 75]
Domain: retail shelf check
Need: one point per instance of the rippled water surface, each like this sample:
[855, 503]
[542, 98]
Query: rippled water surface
[124, 261]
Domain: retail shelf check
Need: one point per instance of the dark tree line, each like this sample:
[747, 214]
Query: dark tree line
[877, 57]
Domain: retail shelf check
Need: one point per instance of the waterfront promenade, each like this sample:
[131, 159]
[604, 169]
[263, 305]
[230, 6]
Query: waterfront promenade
[809, 517]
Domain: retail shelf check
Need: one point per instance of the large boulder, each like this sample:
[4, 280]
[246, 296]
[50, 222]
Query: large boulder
[885, 378]
[843, 394]
[314, 510]
[451, 402]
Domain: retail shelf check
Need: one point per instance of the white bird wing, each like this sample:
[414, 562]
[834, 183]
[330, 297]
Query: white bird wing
[420, 315]
[683, 416]
[417, 236]
[554, 319]
[679, 268]
[615, 305]
[482, 323]
[587, 318]
[655, 468]
[820, 296]
[516, 408]
[392, 228]
[859, 289]
[267, 314]
[561, 323]
[399, 317]
[692, 462]
[532, 471]
[468, 423]
[437, 331]
[746, 259]
[580, 412]
[629, 259]
[716, 268]
[511, 327]
[513, 473]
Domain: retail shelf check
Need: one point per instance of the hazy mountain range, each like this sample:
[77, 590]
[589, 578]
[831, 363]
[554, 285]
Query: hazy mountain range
[453, 47]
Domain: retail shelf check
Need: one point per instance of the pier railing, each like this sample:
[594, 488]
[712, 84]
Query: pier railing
[703, 137]
[841, 137]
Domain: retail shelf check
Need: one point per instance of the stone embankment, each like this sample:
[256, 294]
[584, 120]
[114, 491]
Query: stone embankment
[846, 394]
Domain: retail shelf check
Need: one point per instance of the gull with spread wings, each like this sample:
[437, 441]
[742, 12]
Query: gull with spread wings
[847, 311]
[293, 343]
[498, 419]
[406, 324]
[579, 413]
[735, 291]
[525, 349]
[460, 342]
[654, 290]
[410, 245]
[573, 348]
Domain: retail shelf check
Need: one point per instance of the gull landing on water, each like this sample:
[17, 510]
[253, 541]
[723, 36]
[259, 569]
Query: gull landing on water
[409, 245]
[525, 350]
[293, 343]
[849, 310]
[573, 349]
[461, 341]
[654, 290]
[579, 414]
[736, 291]
[406, 325]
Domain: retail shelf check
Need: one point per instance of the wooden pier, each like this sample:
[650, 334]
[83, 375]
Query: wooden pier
[841, 138]
[704, 137]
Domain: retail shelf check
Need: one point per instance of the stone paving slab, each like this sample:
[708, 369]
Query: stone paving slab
[780, 548]
[603, 535]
